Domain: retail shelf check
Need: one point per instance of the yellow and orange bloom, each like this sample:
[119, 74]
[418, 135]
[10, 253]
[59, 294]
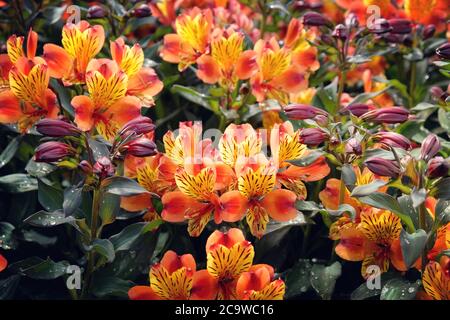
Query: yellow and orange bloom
[191, 40]
[436, 279]
[28, 98]
[164, 10]
[428, 12]
[277, 75]
[227, 61]
[107, 108]
[176, 278]
[258, 284]
[81, 43]
[143, 82]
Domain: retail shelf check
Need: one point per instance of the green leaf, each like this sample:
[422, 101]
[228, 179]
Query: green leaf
[7, 238]
[323, 279]
[363, 97]
[387, 202]
[48, 219]
[193, 96]
[9, 286]
[424, 106]
[125, 239]
[367, 189]
[442, 189]
[36, 237]
[109, 208]
[152, 226]
[37, 268]
[412, 245]
[72, 199]
[39, 169]
[442, 211]
[418, 197]
[110, 286]
[444, 119]
[105, 248]
[122, 186]
[306, 160]
[306, 205]
[399, 289]
[326, 97]
[10, 150]
[18, 183]
[364, 292]
[53, 14]
[298, 278]
[342, 209]
[50, 197]
[349, 176]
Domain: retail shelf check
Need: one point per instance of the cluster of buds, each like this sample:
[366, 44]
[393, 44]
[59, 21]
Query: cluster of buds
[303, 112]
[53, 151]
[132, 139]
[443, 51]
[103, 168]
[389, 115]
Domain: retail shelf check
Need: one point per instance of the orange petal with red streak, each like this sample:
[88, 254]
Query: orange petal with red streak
[280, 204]
[204, 286]
[246, 65]
[10, 111]
[58, 60]
[145, 83]
[172, 262]
[227, 239]
[351, 246]
[175, 205]
[136, 203]
[208, 70]
[292, 80]
[171, 48]
[233, 206]
[142, 293]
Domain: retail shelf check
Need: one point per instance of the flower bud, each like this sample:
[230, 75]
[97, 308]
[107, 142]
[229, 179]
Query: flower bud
[142, 11]
[400, 26]
[351, 21]
[312, 136]
[443, 51]
[96, 12]
[430, 146]
[321, 120]
[438, 94]
[103, 168]
[437, 167]
[392, 139]
[314, 19]
[393, 38]
[380, 26]
[429, 31]
[353, 146]
[387, 115]
[52, 151]
[141, 147]
[56, 128]
[340, 32]
[327, 39]
[357, 109]
[383, 167]
[85, 166]
[139, 125]
[303, 111]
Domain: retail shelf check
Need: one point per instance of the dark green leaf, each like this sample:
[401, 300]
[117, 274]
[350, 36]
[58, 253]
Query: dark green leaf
[399, 289]
[125, 239]
[17, 183]
[48, 219]
[323, 279]
[39, 169]
[72, 199]
[110, 286]
[105, 248]
[418, 197]
[37, 268]
[442, 189]
[367, 189]
[10, 150]
[109, 208]
[8, 287]
[298, 278]
[306, 205]
[122, 186]
[412, 245]
[34, 236]
[349, 176]
[307, 160]
[7, 238]
[50, 197]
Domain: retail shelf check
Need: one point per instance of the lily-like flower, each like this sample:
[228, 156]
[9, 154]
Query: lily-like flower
[436, 279]
[259, 284]
[176, 278]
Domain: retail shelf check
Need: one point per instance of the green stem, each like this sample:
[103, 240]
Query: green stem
[94, 234]
[262, 6]
[341, 190]
[341, 85]
[412, 83]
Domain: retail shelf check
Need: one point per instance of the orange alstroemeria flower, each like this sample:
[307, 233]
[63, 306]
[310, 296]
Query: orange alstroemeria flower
[143, 82]
[441, 243]
[191, 40]
[28, 98]
[165, 10]
[258, 284]
[277, 75]
[426, 12]
[197, 201]
[3, 263]
[229, 255]
[359, 8]
[285, 145]
[436, 279]
[107, 108]
[175, 278]
[81, 43]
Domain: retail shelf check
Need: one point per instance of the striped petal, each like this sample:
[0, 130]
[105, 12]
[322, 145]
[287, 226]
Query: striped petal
[30, 87]
[14, 47]
[130, 60]
[256, 183]
[435, 282]
[257, 219]
[383, 227]
[199, 186]
[174, 286]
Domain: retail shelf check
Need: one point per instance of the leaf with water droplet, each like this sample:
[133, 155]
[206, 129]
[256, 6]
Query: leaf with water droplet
[399, 289]
[323, 279]
[38, 268]
[48, 219]
[18, 183]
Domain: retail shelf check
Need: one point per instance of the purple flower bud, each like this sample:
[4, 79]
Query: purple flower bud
[56, 128]
[141, 147]
[438, 94]
[380, 26]
[340, 32]
[85, 166]
[393, 38]
[139, 125]
[103, 168]
[392, 139]
[142, 11]
[52, 151]
[321, 120]
[303, 111]
[351, 21]
[314, 19]
[430, 146]
[312, 136]
[443, 51]
[326, 39]
[438, 167]
[357, 109]
[429, 31]
[353, 146]
[96, 12]
[387, 115]
[400, 26]
[383, 167]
